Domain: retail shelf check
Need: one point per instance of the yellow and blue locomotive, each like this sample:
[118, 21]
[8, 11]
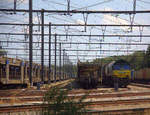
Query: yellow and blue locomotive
[119, 70]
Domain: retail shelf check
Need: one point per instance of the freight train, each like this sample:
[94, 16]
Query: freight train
[16, 71]
[116, 71]
[88, 75]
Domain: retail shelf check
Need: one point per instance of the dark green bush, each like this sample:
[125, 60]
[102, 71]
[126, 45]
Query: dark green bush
[58, 103]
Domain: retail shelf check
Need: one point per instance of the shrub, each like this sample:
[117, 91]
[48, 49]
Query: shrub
[58, 103]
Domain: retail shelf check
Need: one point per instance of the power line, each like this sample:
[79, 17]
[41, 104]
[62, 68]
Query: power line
[54, 2]
[76, 11]
[83, 35]
[78, 50]
[114, 25]
[105, 1]
[102, 43]
[97, 56]
[144, 1]
[60, 19]
[137, 4]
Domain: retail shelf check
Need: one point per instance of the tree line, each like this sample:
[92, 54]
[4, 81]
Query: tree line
[137, 60]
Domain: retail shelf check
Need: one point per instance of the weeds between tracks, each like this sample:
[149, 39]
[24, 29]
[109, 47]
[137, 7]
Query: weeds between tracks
[58, 103]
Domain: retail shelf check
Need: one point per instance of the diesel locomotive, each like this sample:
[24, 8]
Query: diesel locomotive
[119, 71]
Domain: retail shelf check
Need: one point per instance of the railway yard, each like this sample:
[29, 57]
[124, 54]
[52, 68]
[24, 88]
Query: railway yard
[135, 99]
[74, 57]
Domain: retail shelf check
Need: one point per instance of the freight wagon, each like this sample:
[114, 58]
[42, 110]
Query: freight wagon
[142, 75]
[88, 75]
[16, 71]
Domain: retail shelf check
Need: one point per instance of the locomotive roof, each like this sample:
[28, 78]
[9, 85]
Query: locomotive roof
[117, 61]
[121, 61]
[89, 64]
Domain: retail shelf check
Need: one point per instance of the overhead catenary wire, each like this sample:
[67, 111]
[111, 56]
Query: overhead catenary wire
[77, 11]
[83, 35]
[73, 55]
[84, 25]
[147, 2]
[82, 59]
[75, 61]
[93, 5]
[114, 25]
[96, 43]
[77, 8]
[79, 50]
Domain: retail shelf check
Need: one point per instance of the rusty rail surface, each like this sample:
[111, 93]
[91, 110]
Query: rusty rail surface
[33, 100]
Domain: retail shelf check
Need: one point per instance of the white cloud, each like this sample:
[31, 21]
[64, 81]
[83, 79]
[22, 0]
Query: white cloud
[112, 19]
[78, 21]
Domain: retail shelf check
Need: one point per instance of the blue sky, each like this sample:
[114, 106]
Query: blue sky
[76, 19]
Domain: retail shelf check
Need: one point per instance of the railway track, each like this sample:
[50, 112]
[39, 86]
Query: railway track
[94, 104]
[25, 95]
[97, 100]
[140, 85]
[90, 96]
[19, 108]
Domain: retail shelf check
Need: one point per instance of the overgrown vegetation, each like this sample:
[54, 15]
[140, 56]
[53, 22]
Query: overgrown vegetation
[58, 103]
[137, 60]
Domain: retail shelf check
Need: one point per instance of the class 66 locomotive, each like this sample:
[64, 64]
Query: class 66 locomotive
[116, 71]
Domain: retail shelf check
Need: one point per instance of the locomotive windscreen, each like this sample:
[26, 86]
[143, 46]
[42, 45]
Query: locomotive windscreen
[121, 66]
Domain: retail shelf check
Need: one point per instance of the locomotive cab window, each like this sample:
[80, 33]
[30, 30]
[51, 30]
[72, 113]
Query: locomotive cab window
[121, 66]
